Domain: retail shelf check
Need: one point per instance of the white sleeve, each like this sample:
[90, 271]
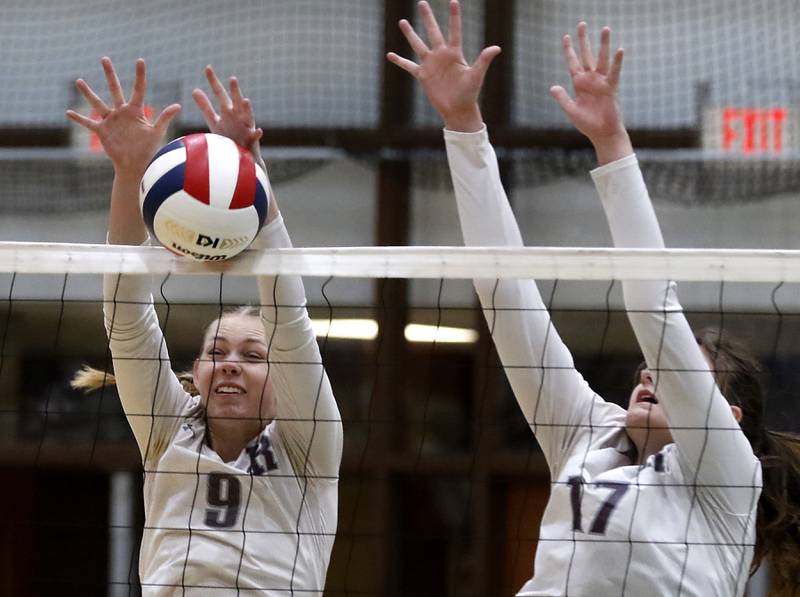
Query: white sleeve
[151, 395]
[308, 417]
[711, 447]
[558, 404]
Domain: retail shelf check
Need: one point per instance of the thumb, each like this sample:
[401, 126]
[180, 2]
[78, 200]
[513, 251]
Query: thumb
[484, 60]
[166, 116]
[564, 100]
[254, 138]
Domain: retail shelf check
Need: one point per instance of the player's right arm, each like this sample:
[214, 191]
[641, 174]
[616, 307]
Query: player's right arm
[555, 399]
[150, 393]
[711, 447]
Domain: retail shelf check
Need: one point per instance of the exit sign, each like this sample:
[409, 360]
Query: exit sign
[751, 131]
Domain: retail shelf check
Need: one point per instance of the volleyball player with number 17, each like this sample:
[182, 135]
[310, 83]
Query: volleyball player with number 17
[241, 470]
[661, 498]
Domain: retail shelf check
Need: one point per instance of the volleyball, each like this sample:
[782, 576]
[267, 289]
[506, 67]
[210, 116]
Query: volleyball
[203, 196]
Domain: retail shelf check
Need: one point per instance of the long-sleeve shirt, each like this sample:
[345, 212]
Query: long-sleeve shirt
[683, 523]
[265, 523]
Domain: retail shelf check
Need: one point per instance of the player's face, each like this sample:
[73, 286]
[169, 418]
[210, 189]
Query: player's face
[231, 372]
[646, 421]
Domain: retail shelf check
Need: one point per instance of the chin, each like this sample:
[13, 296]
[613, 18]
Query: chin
[643, 419]
[228, 411]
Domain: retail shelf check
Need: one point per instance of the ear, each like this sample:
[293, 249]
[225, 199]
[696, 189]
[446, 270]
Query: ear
[195, 365]
[737, 413]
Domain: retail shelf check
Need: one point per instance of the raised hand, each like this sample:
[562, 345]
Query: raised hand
[235, 119]
[128, 137]
[595, 111]
[450, 82]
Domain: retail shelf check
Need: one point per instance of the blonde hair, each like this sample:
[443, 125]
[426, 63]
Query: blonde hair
[89, 379]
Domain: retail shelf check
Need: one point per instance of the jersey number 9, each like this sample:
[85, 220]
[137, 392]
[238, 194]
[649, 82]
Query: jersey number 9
[224, 497]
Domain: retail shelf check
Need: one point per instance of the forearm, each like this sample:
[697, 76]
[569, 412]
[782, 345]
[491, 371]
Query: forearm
[308, 416]
[150, 394]
[483, 209]
[283, 298]
[125, 223]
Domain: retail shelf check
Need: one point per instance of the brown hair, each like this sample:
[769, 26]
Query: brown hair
[778, 517]
[89, 379]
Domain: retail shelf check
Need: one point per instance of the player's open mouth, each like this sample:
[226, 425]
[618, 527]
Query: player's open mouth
[229, 389]
[646, 395]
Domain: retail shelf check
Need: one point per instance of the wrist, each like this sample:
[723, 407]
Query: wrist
[466, 121]
[612, 147]
[127, 175]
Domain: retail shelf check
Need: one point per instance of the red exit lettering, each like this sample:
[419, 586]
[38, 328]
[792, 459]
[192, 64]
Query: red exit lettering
[753, 130]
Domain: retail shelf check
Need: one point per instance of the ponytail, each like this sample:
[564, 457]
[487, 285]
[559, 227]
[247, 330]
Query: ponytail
[778, 523]
[88, 379]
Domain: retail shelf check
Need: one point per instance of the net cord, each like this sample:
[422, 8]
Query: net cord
[709, 265]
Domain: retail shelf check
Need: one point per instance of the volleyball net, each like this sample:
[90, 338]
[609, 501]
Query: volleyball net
[442, 485]
[440, 471]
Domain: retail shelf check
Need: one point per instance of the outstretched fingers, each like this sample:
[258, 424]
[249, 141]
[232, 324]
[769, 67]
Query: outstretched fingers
[114, 87]
[206, 107]
[602, 57]
[236, 94]
[82, 120]
[431, 26]
[139, 84]
[616, 68]
[247, 110]
[586, 50]
[573, 64]
[218, 88]
[407, 65]
[454, 25]
[414, 40]
[95, 102]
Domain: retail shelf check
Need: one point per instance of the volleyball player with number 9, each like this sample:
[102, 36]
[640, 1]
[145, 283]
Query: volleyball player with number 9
[664, 498]
[241, 470]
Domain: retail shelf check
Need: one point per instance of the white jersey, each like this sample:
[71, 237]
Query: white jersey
[683, 523]
[264, 524]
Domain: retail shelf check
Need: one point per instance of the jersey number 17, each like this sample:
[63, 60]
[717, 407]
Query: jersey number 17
[600, 521]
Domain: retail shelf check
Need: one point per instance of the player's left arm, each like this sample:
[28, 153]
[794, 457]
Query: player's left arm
[308, 417]
[710, 443]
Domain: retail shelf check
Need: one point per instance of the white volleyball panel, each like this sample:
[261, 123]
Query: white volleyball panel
[223, 170]
[261, 177]
[186, 226]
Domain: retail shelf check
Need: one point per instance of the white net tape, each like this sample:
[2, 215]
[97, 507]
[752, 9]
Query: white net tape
[709, 265]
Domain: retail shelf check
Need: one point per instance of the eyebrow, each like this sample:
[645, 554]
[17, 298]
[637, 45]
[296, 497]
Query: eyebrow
[248, 340]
